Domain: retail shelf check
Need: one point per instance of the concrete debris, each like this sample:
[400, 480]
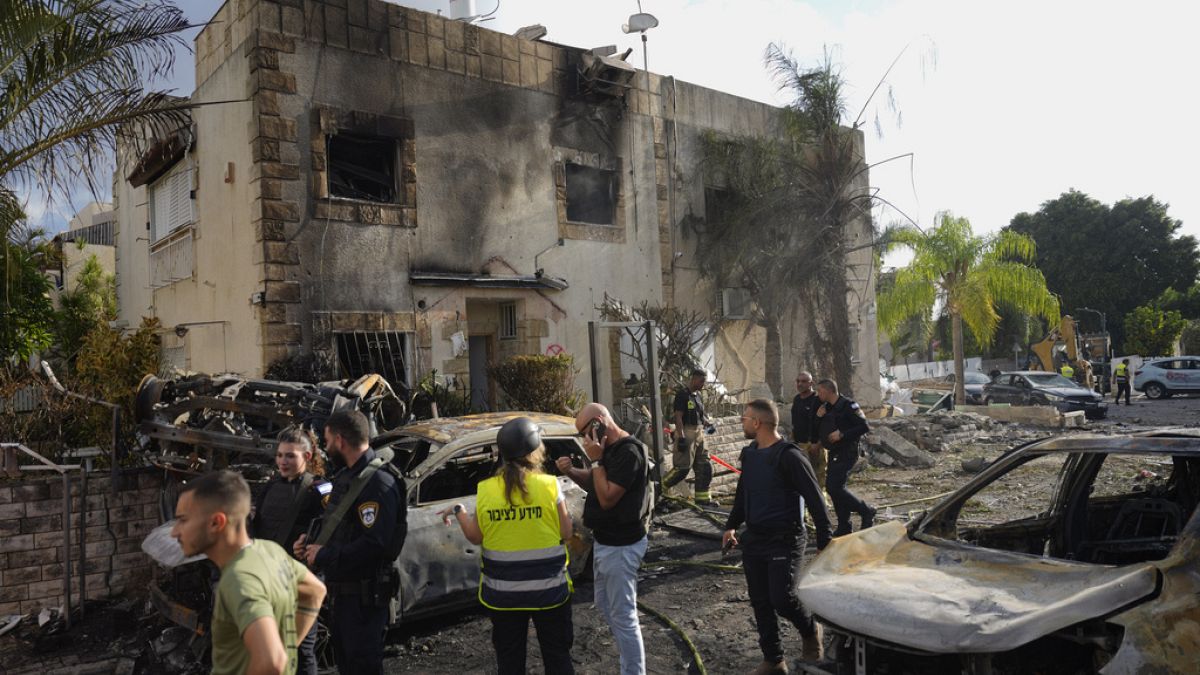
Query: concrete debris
[883, 441]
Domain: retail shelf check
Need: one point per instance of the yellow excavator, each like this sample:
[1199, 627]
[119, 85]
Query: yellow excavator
[1066, 334]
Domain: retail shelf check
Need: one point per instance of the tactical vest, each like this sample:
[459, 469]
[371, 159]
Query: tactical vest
[771, 506]
[524, 561]
[1067, 371]
[1122, 372]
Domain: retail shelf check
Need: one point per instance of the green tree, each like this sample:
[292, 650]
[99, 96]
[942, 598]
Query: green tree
[1191, 337]
[1113, 258]
[781, 197]
[1186, 303]
[26, 313]
[71, 75]
[91, 305]
[1150, 331]
[967, 276]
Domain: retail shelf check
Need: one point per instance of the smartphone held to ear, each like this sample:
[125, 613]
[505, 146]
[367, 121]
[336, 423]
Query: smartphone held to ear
[596, 430]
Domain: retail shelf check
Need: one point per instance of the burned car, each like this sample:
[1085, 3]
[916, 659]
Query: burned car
[443, 461]
[1093, 566]
[201, 423]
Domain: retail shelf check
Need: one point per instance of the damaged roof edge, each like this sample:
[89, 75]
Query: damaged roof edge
[419, 278]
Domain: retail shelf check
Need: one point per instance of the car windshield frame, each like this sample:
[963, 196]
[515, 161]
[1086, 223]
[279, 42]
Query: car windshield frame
[975, 378]
[1051, 381]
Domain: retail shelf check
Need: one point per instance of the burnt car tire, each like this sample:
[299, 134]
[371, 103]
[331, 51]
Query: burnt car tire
[149, 394]
[1155, 391]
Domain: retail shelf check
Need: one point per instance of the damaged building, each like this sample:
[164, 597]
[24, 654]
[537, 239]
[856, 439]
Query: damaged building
[405, 193]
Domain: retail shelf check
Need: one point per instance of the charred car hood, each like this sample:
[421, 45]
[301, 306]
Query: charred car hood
[955, 598]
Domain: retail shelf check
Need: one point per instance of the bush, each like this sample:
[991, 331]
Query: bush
[538, 383]
[312, 368]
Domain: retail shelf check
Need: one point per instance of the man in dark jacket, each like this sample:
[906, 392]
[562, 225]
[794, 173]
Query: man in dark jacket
[774, 488]
[804, 424]
[357, 557]
[841, 423]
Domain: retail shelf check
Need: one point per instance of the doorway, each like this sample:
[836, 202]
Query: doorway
[479, 351]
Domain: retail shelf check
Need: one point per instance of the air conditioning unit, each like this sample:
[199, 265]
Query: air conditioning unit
[736, 303]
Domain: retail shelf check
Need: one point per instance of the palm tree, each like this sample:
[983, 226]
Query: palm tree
[967, 276]
[72, 76]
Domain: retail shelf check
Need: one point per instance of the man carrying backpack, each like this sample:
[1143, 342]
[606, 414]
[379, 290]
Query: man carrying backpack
[361, 535]
[776, 484]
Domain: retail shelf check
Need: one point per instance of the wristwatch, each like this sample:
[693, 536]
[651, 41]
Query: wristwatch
[598, 463]
[458, 508]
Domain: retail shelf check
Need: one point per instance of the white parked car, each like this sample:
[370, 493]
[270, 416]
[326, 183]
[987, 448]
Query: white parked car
[1162, 377]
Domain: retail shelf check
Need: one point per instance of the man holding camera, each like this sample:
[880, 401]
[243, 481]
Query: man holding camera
[617, 510]
[690, 453]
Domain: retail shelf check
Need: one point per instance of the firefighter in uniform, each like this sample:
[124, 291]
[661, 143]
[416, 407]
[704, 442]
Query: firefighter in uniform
[690, 453]
[361, 535]
[841, 423]
[521, 520]
[1121, 377]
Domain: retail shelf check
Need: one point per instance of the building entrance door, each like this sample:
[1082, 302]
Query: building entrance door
[477, 349]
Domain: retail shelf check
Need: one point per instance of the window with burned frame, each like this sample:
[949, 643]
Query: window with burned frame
[384, 352]
[591, 195]
[364, 167]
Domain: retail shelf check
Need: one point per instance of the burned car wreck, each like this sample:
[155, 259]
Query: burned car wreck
[1101, 576]
[201, 423]
[443, 461]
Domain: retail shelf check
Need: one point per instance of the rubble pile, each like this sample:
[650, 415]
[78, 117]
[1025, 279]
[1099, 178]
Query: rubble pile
[910, 440]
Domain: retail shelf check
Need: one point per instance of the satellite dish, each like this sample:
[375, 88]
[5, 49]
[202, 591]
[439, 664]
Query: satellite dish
[640, 23]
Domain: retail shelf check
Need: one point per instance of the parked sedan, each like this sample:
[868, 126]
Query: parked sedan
[1077, 554]
[973, 384]
[1163, 377]
[444, 460]
[1035, 387]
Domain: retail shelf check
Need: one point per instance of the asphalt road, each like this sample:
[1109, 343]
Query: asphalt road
[1178, 410]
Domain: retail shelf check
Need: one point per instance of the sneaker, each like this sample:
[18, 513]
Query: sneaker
[770, 668]
[811, 645]
[868, 519]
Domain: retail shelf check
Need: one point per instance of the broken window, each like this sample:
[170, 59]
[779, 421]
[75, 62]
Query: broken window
[562, 447]
[719, 204]
[362, 167]
[508, 321]
[736, 303]
[591, 195]
[1013, 512]
[460, 475]
[384, 352]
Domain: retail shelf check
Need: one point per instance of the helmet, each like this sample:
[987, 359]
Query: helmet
[518, 437]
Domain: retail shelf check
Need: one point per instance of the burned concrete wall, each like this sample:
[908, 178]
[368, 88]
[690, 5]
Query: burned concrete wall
[32, 558]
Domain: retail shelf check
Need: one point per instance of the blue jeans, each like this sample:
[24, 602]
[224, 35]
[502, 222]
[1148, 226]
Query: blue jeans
[615, 569]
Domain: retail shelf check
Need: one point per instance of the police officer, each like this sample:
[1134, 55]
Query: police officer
[804, 424]
[690, 454]
[288, 504]
[1121, 377]
[361, 534]
[841, 423]
[522, 522]
[776, 484]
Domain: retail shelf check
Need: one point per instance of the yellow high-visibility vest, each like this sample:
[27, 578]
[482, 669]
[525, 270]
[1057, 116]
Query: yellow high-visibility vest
[524, 560]
[1067, 370]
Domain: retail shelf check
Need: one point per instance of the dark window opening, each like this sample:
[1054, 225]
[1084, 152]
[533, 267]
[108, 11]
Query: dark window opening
[366, 352]
[362, 167]
[719, 205]
[591, 195]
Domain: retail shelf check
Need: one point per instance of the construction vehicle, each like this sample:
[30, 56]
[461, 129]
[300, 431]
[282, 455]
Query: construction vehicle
[1063, 345]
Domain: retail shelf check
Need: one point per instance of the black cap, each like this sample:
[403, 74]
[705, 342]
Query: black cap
[518, 437]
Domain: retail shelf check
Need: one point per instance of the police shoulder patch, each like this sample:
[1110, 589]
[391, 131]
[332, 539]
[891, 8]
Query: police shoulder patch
[325, 488]
[325, 500]
[367, 512]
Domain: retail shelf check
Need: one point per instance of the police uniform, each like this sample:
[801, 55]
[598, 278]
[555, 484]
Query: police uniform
[358, 571]
[1067, 371]
[843, 415]
[690, 453]
[282, 513]
[1121, 374]
[523, 572]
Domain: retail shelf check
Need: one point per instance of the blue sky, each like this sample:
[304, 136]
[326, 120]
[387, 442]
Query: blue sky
[1003, 105]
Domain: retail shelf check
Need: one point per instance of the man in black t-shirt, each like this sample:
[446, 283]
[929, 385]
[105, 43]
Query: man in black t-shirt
[616, 510]
[804, 424]
[841, 423]
[690, 453]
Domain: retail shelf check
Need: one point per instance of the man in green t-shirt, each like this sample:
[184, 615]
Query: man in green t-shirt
[264, 599]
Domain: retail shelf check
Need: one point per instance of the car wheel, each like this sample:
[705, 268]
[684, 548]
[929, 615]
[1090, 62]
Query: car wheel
[987, 400]
[1156, 391]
